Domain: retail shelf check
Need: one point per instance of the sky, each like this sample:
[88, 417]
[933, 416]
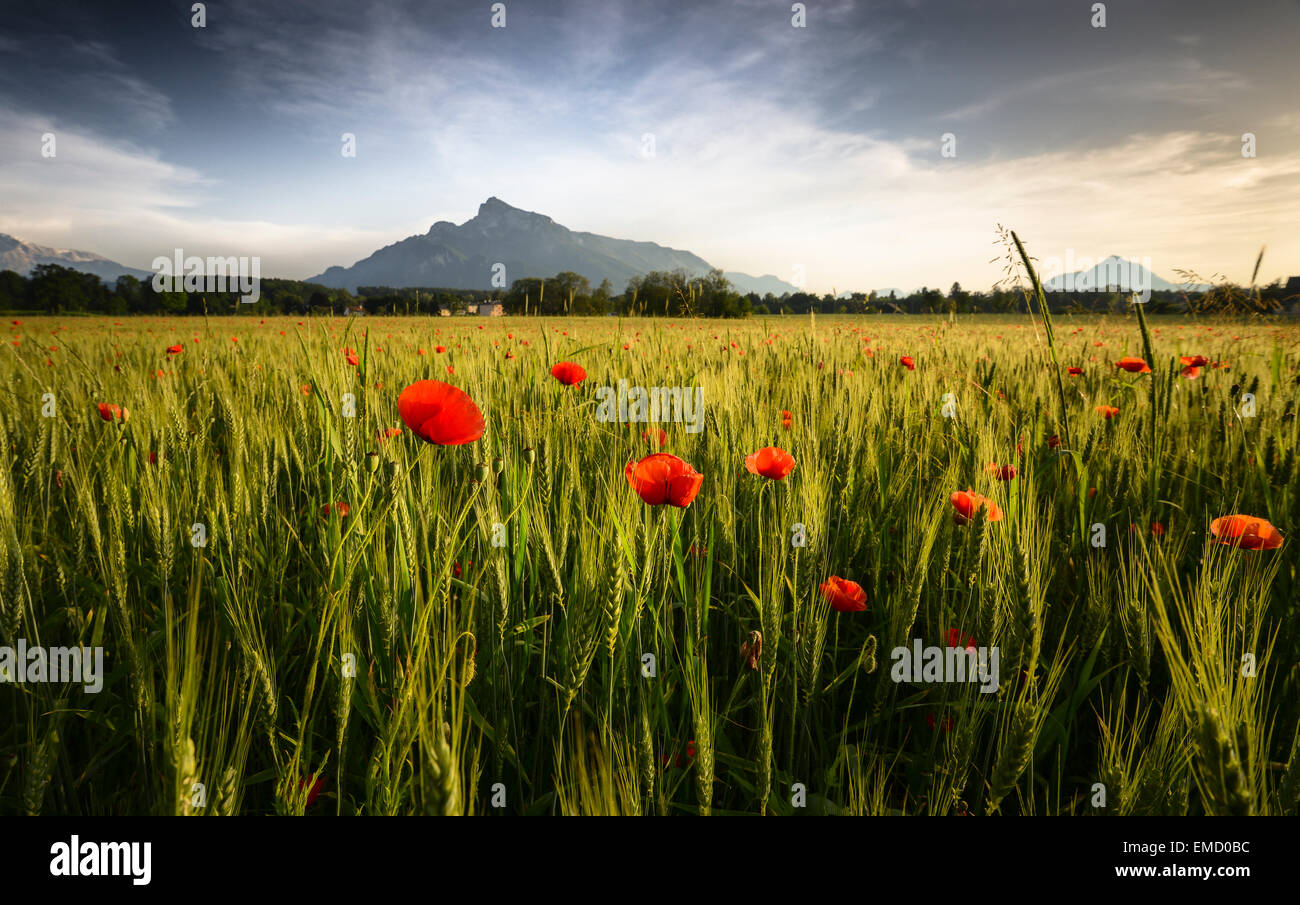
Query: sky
[721, 128]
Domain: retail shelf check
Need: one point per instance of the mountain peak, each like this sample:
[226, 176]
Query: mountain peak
[495, 211]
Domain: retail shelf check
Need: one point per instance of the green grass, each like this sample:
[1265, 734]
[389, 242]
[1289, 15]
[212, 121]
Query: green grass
[228, 663]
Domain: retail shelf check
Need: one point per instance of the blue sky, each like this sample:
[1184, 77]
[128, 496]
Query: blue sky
[775, 147]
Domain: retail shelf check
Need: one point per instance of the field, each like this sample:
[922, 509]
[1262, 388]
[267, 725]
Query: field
[304, 610]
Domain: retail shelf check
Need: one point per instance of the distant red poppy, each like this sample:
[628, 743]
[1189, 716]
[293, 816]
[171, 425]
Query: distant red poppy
[1001, 472]
[1158, 529]
[659, 437]
[770, 462]
[1133, 365]
[439, 349]
[966, 503]
[908, 362]
[1194, 361]
[663, 478]
[352, 358]
[1074, 372]
[568, 373]
[343, 510]
[1246, 532]
[843, 595]
[440, 413]
[1107, 411]
[1053, 442]
[176, 349]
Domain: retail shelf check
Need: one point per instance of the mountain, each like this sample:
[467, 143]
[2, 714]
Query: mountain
[1114, 273]
[22, 257]
[761, 285]
[529, 245]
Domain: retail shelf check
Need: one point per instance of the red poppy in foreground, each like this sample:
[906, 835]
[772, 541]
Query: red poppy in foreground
[770, 462]
[110, 412]
[1134, 365]
[568, 373]
[664, 478]
[843, 595]
[1246, 532]
[966, 503]
[908, 362]
[440, 413]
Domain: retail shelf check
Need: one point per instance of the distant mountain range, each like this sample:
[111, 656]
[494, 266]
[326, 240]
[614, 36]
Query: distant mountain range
[528, 245]
[22, 257]
[1117, 274]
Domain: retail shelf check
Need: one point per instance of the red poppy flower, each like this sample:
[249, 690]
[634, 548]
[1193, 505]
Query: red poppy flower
[568, 373]
[1053, 442]
[770, 462]
[1246, 532]
[316, 786]
[954, 640]
[908, 362]
[1074, 372]
[663, 478]
[440, 413]
[1107, 411]
[1001, 472]
[176, 349]
[1158, 529]
[352, 358]
[110, 412]
[1134, 365]
[966, 503]
[659, 437]
[1191, 372]
[948, 723]
[843, 595]
[439, 349]
[1194, 361]
[343, 509]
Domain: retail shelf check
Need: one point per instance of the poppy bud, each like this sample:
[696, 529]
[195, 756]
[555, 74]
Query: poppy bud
[372, 462]
[530, 455]
[482, 472]
[498, 464]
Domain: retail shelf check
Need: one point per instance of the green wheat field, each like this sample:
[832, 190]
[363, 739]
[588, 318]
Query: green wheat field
[304, 608]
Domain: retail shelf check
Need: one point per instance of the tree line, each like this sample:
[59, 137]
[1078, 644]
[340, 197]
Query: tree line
[54, 289]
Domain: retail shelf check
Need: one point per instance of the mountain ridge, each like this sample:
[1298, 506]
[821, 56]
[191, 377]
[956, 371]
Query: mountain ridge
[527, 244]
[24, 257]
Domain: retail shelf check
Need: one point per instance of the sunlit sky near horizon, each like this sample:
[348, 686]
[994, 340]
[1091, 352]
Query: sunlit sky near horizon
[774, 146]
